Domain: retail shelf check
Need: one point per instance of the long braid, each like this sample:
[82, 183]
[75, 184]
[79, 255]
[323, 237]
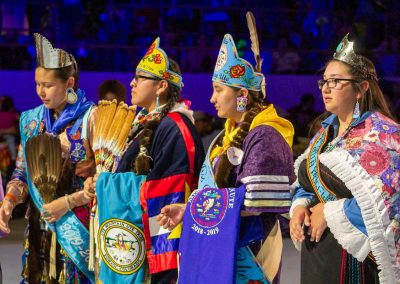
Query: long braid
[225, 167]
[143, 161]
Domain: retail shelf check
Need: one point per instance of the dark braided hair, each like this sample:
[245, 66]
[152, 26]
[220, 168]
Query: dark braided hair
[143, 159]
[225, 167]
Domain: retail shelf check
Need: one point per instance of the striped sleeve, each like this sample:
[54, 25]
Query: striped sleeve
[266, 171]
[267, 193]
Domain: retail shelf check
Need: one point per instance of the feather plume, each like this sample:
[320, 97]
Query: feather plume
[43, 158]
[255, 45]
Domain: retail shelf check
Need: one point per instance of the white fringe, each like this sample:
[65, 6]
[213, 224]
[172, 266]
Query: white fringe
[373, 210]
[351, 238]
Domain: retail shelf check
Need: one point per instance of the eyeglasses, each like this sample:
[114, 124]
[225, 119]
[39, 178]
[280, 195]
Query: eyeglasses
[332, 82]
[137, 77]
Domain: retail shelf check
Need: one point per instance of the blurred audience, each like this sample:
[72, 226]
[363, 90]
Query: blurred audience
[303, 118]
[207, 126]
[9, 134]
[297, 36]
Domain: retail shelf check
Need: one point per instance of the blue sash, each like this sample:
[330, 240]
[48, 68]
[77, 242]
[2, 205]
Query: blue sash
[71, 234]
[120, 236]
[322, 191]
[210, 236]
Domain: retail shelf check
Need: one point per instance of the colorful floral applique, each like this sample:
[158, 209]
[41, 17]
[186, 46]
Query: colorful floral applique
[353, 143]
[375, 159]
[358, 131]
[157, 59]
[30, 127]
[385, 127]
[390, 141]
[77, 150]
[151, 48]
[388, 191]
[387, 176]
[166, 75]
[237, 71]
[372, 136]
[41, 126]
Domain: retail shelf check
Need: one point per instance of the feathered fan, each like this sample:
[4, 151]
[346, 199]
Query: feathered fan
[111, 131]
[43, 157]
[44, 162]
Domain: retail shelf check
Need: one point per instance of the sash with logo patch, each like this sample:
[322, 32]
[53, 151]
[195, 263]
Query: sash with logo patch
[71, 233]
[208, 248]
[120, 235]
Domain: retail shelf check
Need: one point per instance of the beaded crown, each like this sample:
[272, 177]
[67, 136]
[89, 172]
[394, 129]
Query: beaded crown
[345, 52]
[49, 57]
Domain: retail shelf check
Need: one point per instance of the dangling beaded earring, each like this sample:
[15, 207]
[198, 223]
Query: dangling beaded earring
[241, 103]
[157, 104]
[356, 112]
[72, 97]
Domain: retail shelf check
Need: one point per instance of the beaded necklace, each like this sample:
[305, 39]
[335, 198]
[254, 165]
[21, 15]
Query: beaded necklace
[331, 145]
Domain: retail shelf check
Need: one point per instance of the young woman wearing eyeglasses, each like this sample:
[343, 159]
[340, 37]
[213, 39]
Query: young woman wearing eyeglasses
[344, 213]
[164, 147]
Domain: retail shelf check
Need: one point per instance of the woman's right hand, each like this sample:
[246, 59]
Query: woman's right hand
[301, 215]
[5, 215]
[89, 187]
[171, 215]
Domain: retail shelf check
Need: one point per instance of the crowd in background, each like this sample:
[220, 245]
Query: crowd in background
[297, 36]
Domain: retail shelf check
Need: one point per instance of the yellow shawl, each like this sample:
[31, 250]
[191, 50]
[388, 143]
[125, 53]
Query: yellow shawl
[267, 116]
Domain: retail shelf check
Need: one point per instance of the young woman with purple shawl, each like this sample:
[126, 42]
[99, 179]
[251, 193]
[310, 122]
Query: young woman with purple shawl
[230, 224]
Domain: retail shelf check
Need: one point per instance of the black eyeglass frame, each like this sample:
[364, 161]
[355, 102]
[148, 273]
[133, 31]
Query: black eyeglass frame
[335, 81]
[137, 76]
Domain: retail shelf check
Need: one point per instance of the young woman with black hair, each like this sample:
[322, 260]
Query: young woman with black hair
[243, 188]
[165, 148]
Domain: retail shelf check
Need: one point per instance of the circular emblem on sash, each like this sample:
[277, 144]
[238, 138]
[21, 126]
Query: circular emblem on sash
[121, 246]
[209, 206]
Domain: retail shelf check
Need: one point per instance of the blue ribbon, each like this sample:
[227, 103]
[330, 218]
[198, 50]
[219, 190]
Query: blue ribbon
[71, 234]
[313, 168]
[70, 113]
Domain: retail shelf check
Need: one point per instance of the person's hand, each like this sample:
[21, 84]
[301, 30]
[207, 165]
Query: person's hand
[301, 215]
[318, 222]
[171, 215]
[5, 215]
[89, 187]
[54, 210]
